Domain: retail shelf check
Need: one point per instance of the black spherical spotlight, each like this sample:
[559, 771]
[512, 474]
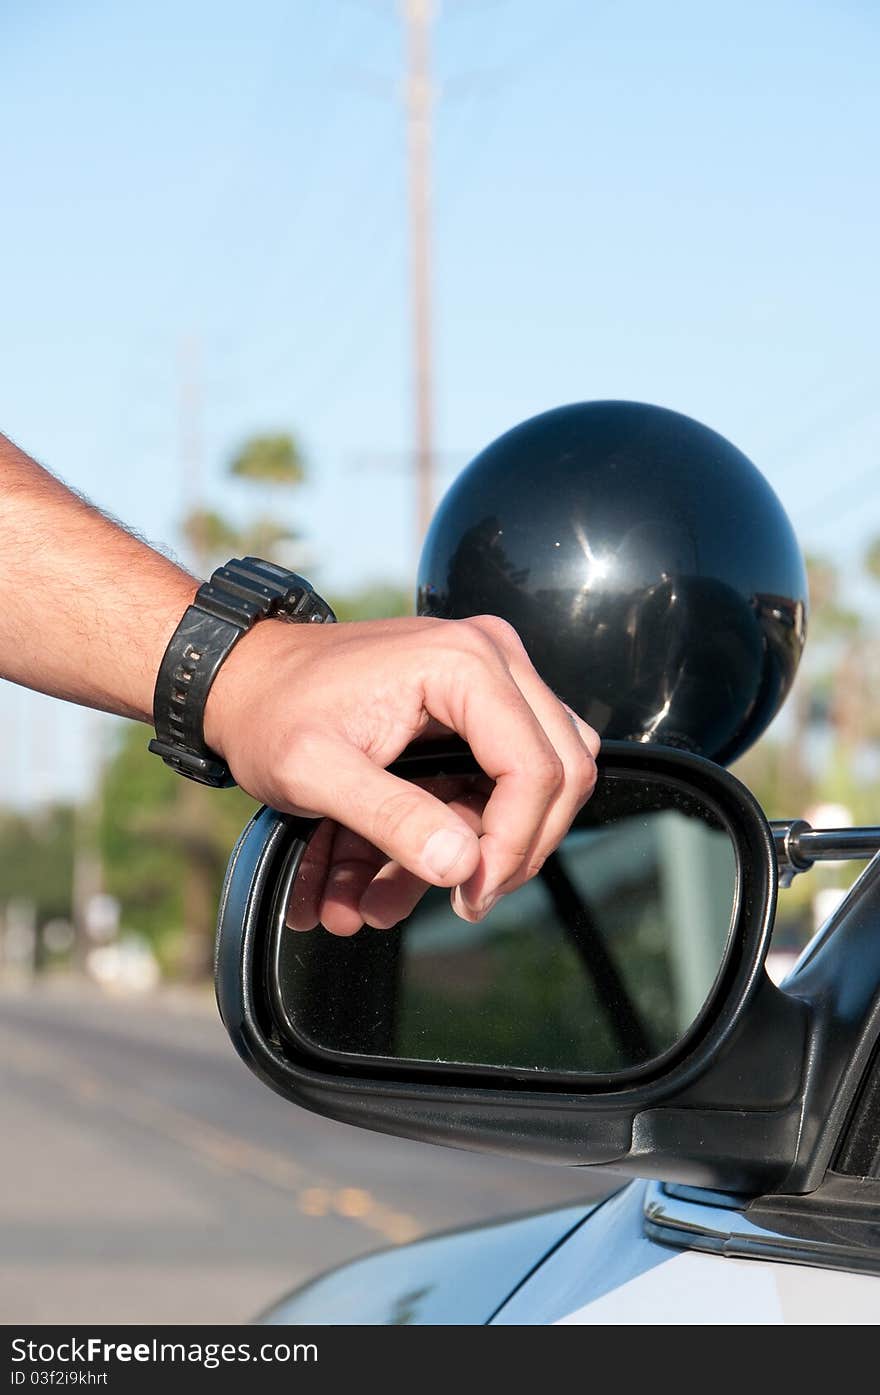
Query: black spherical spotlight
[649, 568]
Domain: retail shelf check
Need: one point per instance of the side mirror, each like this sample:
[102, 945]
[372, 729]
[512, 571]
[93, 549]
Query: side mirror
[602, 965]
[612, 1011]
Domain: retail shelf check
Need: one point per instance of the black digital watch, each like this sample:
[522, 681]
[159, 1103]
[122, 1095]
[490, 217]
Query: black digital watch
[237, 596]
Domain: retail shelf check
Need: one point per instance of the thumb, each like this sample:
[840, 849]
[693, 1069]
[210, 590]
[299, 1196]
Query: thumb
[406, 822]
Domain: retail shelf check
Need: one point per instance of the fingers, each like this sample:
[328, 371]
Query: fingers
[395, 818]
[516, 655]
[353, 864]
[526, 741]
[304, 906]
[586, 733]
[394, 893]
[576, 745]
[510, 746]
[343, 880]
[336, 868]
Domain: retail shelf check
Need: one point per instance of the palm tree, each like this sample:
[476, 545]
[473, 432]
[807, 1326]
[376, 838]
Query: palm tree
[270, 463]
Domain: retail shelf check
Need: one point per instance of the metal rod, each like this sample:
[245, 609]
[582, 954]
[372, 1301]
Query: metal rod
[838, 844]
[798, 845]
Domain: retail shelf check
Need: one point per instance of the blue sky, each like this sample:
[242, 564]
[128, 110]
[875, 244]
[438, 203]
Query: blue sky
[673, 203]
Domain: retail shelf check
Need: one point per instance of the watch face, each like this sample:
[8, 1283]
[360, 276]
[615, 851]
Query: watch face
[262, 588]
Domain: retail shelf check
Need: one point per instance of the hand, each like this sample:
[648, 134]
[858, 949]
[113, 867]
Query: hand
[309, 716]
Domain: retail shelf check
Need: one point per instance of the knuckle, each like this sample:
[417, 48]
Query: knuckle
[547, 771]
[301, 765]
[391, 817]
[305, 746]
[473, 638]
[587, 773]
[498, 629]
[528, 866]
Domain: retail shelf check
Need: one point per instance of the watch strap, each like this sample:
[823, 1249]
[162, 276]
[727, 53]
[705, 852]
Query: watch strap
[224, 608]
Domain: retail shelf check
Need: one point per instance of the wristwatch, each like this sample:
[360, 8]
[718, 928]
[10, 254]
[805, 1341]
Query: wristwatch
[237, 596]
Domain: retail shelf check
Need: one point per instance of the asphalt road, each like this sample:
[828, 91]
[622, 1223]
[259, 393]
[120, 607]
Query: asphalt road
[146, 1176]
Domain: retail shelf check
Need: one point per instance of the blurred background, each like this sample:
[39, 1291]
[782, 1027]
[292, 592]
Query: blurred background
[269, 276]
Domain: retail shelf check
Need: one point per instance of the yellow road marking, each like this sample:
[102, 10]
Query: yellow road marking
[314, 1195]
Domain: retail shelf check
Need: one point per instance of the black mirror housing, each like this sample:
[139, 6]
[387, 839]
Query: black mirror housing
[723, 1110]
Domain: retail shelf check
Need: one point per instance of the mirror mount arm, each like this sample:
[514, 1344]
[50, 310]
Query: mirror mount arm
[799, 846]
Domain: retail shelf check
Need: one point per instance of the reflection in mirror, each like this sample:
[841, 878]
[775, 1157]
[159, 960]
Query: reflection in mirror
[602, 962]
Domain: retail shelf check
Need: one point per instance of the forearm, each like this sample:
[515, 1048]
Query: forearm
[86, 609]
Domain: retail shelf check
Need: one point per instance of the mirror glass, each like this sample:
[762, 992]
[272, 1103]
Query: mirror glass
[601, 963]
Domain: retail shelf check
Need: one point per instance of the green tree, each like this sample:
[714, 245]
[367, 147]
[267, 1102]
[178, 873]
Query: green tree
[269, 460]
[165, 843]
[36, 860]
[379, 600]
[830, 620]
[208, 534]
[269, 463]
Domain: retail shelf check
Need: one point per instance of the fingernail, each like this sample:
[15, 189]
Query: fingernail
[477, 910]
[443, 849]
[461, 907]
[339, 879]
